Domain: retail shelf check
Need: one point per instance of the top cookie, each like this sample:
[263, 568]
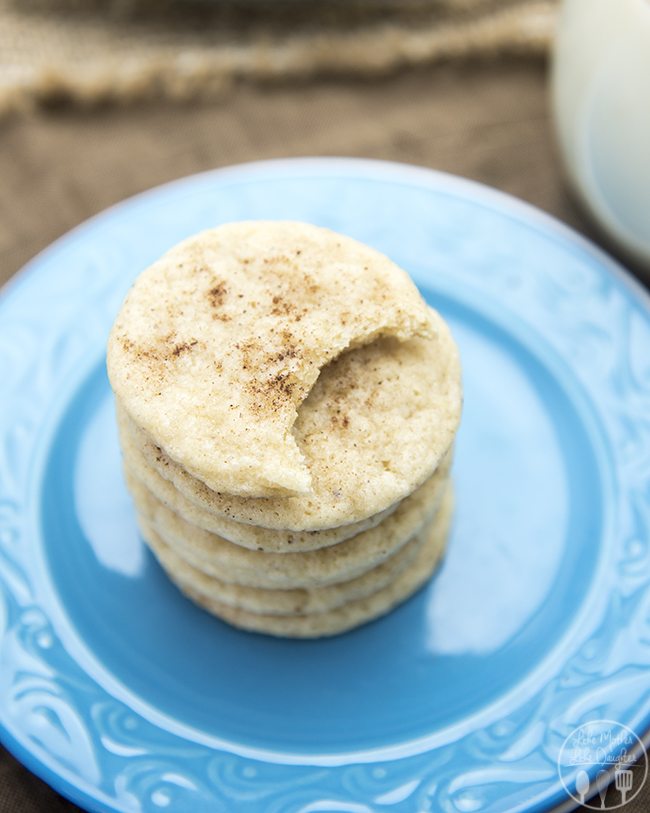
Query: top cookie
[219, 343]
[377, 423]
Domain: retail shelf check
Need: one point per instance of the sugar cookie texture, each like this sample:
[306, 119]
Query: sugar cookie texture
[287, 405]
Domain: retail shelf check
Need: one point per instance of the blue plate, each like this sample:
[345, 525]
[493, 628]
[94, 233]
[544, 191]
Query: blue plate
[124, 696]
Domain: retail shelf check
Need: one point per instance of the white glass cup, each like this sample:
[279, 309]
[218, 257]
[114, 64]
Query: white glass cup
[601, 105]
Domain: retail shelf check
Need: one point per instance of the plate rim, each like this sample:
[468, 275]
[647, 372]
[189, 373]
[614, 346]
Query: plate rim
[506, 201]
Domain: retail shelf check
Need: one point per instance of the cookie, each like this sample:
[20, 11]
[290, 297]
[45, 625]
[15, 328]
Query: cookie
[142, 478]
[375, 426]
[220, 341]
[349, 615]
[346, 560]
[289, 602]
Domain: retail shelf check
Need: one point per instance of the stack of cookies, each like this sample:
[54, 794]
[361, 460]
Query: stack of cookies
[287, 405]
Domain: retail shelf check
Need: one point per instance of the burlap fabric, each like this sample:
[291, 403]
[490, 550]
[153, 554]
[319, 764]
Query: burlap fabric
[91, 51]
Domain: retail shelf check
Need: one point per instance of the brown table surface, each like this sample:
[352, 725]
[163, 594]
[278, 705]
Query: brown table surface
[485, 121]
